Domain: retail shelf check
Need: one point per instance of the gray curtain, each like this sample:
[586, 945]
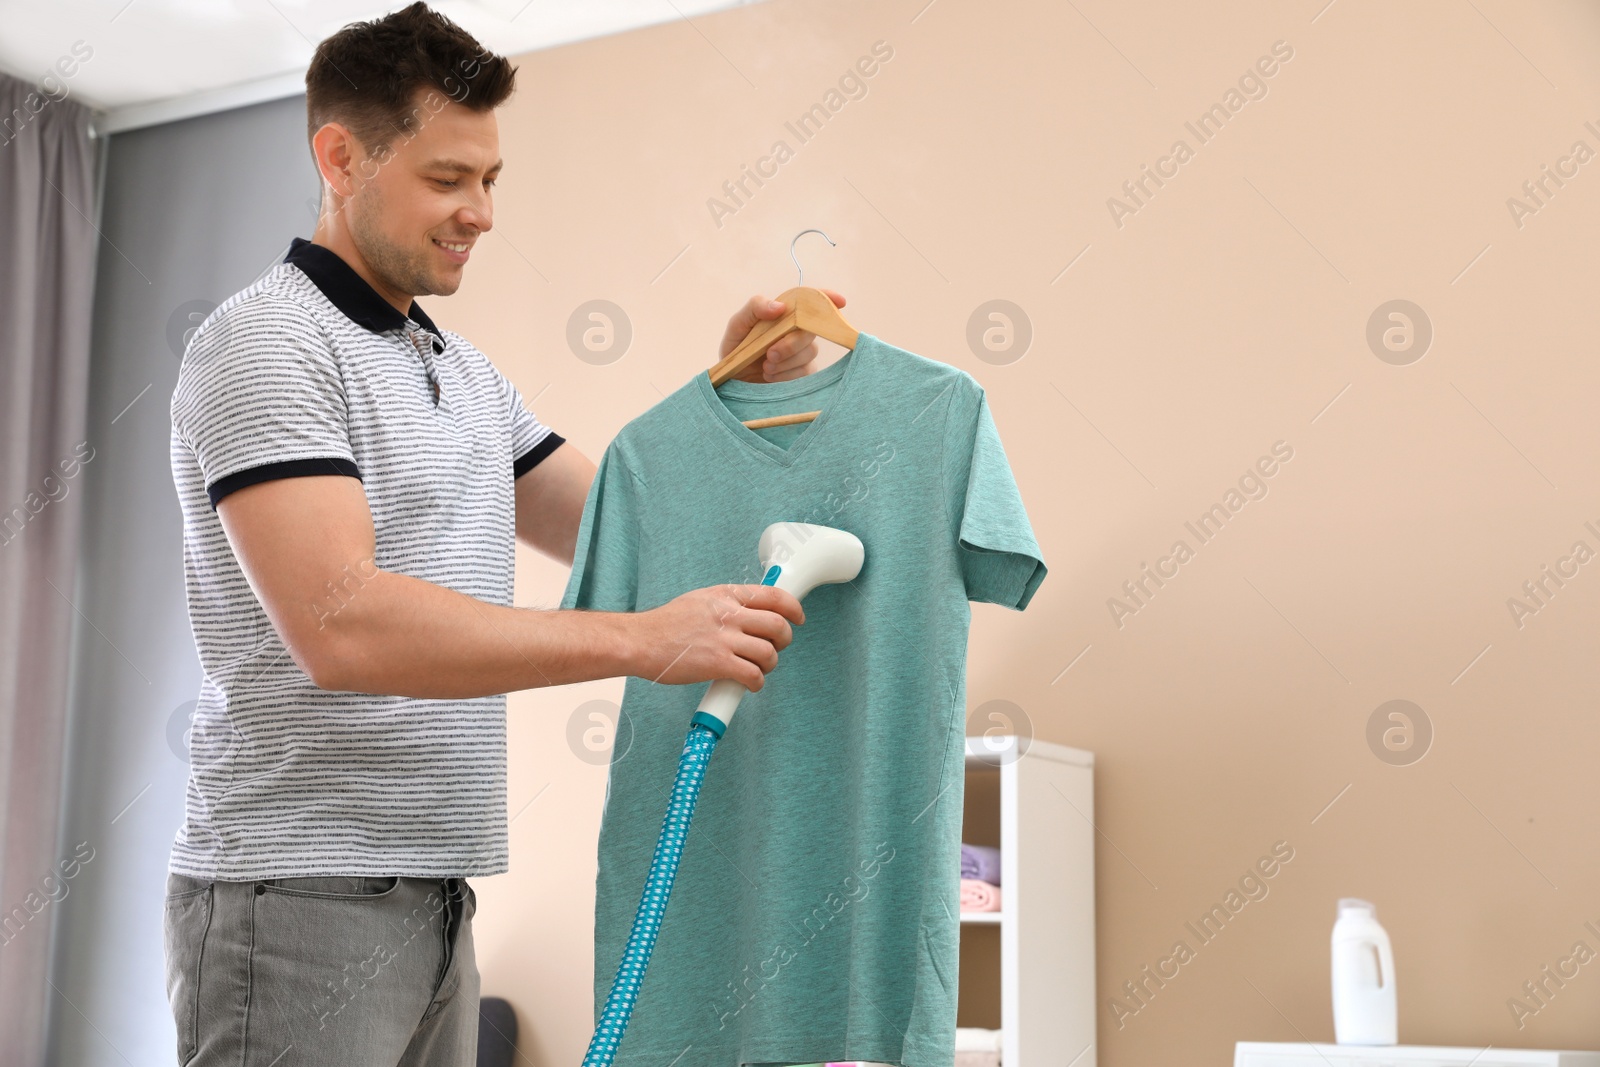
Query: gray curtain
[194, 210]
[48, 186]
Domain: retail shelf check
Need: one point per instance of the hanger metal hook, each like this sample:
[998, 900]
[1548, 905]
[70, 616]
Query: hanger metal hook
[800, 273]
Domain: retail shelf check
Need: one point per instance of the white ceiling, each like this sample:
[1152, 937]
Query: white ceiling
[159, 60]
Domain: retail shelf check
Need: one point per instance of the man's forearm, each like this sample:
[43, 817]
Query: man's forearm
[397, 635]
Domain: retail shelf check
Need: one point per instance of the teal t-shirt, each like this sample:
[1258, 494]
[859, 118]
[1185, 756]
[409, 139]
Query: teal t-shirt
[815, 915]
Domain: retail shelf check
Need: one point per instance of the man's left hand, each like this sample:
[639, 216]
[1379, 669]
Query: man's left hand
[788, 358]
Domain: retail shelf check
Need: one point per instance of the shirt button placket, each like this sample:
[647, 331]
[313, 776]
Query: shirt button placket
[424, 346]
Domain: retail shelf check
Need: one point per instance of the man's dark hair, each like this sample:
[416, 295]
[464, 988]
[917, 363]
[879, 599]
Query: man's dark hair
[367, 75]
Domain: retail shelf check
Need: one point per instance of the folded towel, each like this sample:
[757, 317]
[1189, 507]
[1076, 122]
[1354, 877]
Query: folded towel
[979, 896]
[980, 862]
[977, 1059]
[977, 1039]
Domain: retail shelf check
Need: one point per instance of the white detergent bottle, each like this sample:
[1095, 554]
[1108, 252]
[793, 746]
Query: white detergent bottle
[1363, 977]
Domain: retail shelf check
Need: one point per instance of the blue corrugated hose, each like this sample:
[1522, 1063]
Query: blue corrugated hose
[697, 748]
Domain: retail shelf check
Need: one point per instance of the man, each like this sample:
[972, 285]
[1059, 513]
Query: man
[353, 480]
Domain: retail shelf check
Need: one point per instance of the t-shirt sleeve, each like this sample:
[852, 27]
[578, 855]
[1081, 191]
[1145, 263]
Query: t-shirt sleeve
[998, 555]
[605, 563]
[531, 440]
[260, 396]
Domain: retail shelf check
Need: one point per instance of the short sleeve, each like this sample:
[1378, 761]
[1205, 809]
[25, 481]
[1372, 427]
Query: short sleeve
[998, 555]
[605, 563]
[531, 440]
[260, 396]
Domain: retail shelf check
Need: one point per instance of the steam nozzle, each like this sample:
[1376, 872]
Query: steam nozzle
[795, 557]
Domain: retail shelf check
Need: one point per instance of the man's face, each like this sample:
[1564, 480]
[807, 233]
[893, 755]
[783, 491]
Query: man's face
[433, 187]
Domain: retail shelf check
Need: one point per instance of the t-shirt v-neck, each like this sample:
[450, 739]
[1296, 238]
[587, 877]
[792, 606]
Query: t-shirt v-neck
[736, 400]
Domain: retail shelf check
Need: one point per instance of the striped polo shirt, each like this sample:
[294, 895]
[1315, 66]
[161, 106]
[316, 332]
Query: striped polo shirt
[309, 371]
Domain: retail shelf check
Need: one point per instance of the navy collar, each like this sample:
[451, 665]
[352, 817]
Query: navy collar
[349, 291]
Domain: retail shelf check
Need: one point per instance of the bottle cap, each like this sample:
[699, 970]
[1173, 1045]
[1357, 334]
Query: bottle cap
[1357, 904]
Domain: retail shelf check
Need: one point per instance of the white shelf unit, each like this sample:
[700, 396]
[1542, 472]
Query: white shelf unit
[1037, 798]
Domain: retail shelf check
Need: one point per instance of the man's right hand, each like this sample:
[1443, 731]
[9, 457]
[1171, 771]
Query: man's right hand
[722, 631]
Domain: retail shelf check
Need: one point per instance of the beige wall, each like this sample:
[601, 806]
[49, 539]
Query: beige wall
[1225, 315]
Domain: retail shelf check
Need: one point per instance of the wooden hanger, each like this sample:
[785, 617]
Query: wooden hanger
[811, 310]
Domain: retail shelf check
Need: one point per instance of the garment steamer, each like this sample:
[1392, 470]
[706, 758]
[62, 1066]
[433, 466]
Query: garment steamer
[796, 557]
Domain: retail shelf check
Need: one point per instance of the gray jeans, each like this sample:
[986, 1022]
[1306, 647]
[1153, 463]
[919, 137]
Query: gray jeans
[295, 972]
